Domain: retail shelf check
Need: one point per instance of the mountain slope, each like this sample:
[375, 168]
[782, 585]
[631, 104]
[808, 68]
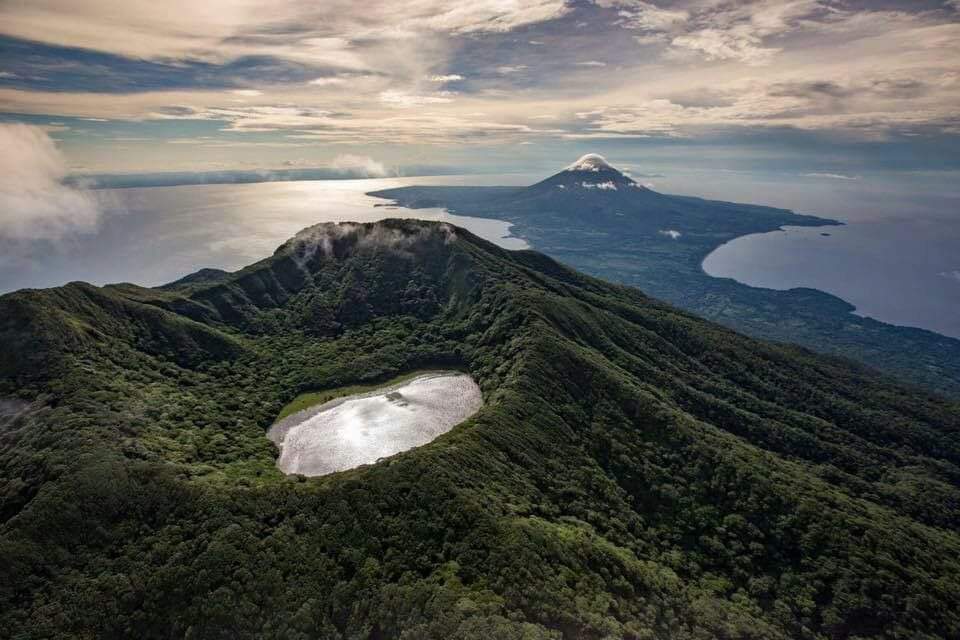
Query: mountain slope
[635, 472]
[657, 242]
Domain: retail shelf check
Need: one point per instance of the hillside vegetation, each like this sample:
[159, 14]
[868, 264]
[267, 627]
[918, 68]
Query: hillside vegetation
[635, 472]
[657, 243]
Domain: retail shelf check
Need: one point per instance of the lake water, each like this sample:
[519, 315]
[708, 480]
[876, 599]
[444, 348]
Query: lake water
[360, 429]
[151, 236]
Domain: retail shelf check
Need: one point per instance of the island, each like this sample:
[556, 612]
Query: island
[599, 220]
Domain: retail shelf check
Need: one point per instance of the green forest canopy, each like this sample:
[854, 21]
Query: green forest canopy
[635, 472]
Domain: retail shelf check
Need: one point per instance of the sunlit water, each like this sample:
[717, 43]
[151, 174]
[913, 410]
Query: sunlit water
[361, 429]
[151, 236]
[897, 258]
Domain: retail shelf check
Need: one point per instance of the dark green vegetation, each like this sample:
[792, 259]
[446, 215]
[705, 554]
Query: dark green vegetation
[635, 472]
[619, 235]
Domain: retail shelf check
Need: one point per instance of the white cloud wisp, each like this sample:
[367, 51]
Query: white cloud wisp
[34, 203]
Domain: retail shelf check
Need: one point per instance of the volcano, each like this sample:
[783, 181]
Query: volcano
[633, 471]
[591, 173]
[596, 218]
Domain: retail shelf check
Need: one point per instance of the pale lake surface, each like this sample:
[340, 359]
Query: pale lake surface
[362, 428]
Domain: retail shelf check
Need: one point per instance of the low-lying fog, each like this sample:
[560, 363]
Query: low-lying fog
[362, 428]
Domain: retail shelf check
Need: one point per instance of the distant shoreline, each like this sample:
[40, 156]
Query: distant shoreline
[197, 178]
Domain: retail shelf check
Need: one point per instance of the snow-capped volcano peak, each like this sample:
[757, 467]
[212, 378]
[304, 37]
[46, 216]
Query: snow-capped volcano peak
[591, 162]
[590, 174]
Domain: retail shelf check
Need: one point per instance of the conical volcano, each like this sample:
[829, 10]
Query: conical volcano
[591, 174]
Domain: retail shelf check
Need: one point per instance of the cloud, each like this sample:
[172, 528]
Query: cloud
[323, 238]
[637, 14]
[603, 186]
[327, 82]
[830, 176]
[340, 79]
[375, 73]
[721, 30]
[223, 30]
[869, 102]
[651, 118]
[359, 165]
[444, 123]
[718, 44]
[673, 234]
[34, 203]
[404, 99]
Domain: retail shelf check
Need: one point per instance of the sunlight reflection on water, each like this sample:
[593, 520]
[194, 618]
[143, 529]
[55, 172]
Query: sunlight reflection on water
[361, 429]
[150, 236]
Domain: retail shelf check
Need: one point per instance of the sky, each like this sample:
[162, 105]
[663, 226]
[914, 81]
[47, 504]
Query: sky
[829, 88]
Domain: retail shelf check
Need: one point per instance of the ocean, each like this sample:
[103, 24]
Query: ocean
[154, 235]
[897, 258]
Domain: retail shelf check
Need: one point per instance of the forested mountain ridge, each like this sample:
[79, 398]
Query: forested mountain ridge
[636, 472]
[598, 220]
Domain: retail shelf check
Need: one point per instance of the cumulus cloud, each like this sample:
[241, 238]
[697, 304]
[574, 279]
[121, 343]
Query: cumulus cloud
[452, 77]
[673, 234]
[722, 30]
[359, 165]
[34, 202]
